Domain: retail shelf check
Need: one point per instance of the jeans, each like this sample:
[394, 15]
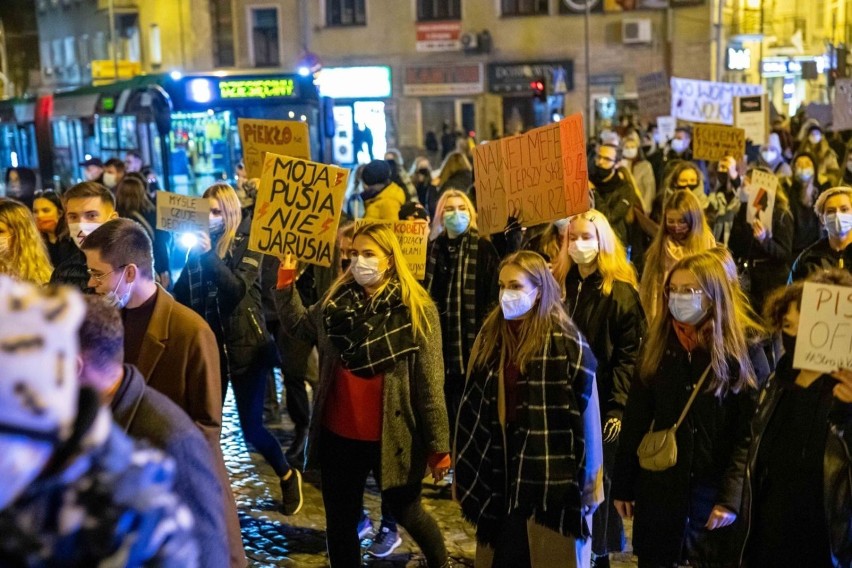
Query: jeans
[344, 466]
[249, 389]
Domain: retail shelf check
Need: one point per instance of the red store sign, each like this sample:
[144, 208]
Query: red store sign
[443, 80]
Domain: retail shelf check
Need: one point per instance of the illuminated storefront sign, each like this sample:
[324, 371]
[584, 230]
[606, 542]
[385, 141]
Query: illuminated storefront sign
[372, 82]
[781, 66]
[257, 89]
[739, 59]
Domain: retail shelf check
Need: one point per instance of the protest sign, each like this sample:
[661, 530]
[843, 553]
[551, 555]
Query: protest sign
[842, 112]
[539, 176]
[666, 126]
[297, 209]
[706, 101]
[762, 189]
[413, 237]
[655, 95]
[713, 142]
[182, 213]
[824, 337]
[285, 137]
[752, 115]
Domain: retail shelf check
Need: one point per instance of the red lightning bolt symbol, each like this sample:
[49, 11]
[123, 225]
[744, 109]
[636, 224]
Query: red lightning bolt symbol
[327, 224]
[263, 208]
[340, 176]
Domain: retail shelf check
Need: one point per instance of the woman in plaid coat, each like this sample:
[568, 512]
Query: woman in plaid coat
[528, 461]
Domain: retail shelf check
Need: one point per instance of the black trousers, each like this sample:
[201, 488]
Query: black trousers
[607, 526]
[294, 369]
[345, 465]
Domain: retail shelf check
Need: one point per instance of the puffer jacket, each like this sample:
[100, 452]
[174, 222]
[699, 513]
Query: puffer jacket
[385, 204]
[228, 298]
[672, 506]
[614, 326]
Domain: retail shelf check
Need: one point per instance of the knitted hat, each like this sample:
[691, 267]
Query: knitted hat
[376, 172]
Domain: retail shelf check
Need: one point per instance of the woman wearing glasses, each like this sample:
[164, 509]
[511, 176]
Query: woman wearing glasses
[705, 341]
[22, 251]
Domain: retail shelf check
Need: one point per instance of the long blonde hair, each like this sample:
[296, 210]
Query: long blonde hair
[548, 313]
[232, 214]
[438, 220]
[698, 239]
[613, 265]
[27, 257]
[731, 325]
[414, 296]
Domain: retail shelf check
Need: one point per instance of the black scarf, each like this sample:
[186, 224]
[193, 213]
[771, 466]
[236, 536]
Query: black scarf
[372, 334]
[546, 477]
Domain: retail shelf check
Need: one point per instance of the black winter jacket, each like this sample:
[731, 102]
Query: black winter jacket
[615, 199]
[613, 326]
[820, 256]
[228, 298]
[72, 271]
[672, 506]
[837, 466]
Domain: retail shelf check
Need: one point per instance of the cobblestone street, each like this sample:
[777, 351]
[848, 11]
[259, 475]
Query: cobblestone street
[272, 539]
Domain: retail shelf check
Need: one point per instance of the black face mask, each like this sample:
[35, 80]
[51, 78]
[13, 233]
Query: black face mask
[789, 343]
[691, 187]
[600, 174]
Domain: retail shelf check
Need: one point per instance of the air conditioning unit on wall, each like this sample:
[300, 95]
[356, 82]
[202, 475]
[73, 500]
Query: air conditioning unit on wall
[636, 31]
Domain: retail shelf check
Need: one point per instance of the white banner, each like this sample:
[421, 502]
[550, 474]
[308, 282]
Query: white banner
[706, 101]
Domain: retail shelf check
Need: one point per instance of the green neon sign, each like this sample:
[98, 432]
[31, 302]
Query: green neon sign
[257, 88]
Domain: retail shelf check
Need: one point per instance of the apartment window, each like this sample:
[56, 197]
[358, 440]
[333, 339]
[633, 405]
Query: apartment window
[264, 37]
[438, 10]
[524, 7]
[222, 21]
[345, 13]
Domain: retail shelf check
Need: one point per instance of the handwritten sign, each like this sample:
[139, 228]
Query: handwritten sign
[182, 213]
[540, 176]
[824, 338]
[752, 115]
[666, 126]
[297, 209]
[762, 189]
[285, 137]
[706, 101]
[842, 112]
[413, 237]
[713, 142]
[655, 95]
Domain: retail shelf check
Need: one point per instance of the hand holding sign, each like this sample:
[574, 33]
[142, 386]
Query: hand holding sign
[843, 388]
[761, 189]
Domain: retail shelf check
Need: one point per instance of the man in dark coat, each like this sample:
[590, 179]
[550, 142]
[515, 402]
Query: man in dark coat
[145, 414]
[614, 195]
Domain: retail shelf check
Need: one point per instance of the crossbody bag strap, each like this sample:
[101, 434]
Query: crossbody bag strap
[695, 392]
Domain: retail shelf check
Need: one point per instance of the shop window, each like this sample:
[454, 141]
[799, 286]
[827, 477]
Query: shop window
[428, 10]
[264, 37]
[222, 21]
[524, 7]
[345, 13]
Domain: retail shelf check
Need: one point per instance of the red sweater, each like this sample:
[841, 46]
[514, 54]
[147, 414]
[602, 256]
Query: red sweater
[354, 406]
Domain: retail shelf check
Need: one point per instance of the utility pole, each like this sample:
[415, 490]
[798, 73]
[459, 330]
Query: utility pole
[112, 39]
[587, 18]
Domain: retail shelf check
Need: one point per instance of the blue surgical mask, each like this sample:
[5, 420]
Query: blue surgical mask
[113, 299]
[456, 222]
[517, 303]
[686, 307]
[217, 225]
[805, 176]
[838, 224]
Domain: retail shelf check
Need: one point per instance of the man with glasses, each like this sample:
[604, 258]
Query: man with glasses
[613, 192]
[171, 345]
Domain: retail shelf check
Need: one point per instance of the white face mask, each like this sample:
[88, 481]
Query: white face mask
[110, 180]
[815, 137]
[216, 225]
[583, 252]
[680, 145]
[687, 307]
[4, 244]
[113, 299]
[517, 303]
[366, 271]
[769, 156]
[630, 153]
[79, 231]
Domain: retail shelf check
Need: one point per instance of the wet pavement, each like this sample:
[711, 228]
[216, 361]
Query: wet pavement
[271, 539]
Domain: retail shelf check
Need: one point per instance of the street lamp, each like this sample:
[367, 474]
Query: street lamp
[587, 5]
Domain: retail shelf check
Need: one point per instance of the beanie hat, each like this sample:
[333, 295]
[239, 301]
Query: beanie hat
[376, 172]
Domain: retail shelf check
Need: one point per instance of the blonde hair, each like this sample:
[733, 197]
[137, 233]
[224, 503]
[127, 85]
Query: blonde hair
[232, 214]
[731, 324]
[698, 239]
[27, 258]
[819, 207]
[438, 220]
[414, 296]
[548, 313]
[613, 265]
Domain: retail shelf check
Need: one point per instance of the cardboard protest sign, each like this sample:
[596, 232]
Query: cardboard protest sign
[842, 112]
[752, 115]
[706, 101]
[182, 213]
[761, 190]
[413, 237]
[284, 137]
[666, 126]
[824, 338]
[297, 209]
[540, 176]
[713, 142]
[655, 95]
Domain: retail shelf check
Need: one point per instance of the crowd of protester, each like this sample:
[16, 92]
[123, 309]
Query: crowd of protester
[536, 367]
